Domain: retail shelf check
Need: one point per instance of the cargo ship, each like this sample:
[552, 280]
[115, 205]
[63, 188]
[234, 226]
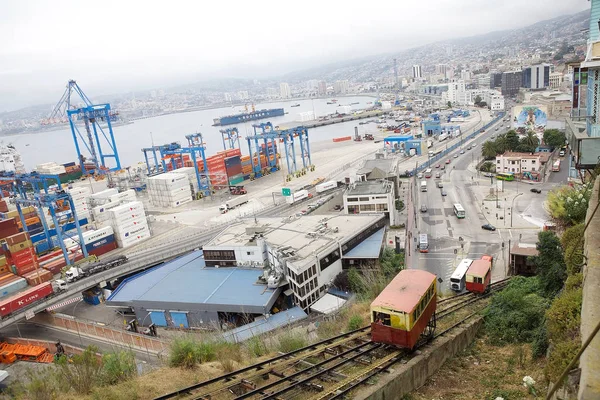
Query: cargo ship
[248, 116]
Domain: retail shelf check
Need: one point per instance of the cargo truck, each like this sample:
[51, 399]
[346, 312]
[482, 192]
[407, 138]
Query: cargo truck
[30, 296]
[233, 203]
[78, 272]
[429, 143]
[299, 195]
[323, 187]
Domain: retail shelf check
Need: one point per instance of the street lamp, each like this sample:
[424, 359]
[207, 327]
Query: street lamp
[77, 323]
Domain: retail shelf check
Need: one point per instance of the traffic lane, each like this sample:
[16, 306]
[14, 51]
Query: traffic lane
[560, 177]
[43, 332]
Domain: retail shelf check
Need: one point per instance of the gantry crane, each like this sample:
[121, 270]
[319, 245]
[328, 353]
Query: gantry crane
[99, 142]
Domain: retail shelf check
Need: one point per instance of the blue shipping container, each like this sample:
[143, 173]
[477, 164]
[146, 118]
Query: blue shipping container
[68, 227]
[12, 287]
[100, 242]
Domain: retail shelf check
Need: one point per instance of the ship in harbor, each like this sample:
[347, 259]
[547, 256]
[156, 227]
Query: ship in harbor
[248, 116]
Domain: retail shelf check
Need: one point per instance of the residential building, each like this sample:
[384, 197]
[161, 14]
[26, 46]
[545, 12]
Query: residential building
[228, 97]
[371, 197]
[312, 84]
[440, 69]
[483, 81]
[466, 75]
[322, 88]
[511, 83]
[284, 91]
[243, 95]
[341, 87]
[536, 77]
[416, 72]
[457, 93]
[495, 80]
[556, 80]
[303, 254]
[522, 164]
[272, 93]
[522, 259]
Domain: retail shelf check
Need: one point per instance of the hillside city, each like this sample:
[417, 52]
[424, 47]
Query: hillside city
[486, 66]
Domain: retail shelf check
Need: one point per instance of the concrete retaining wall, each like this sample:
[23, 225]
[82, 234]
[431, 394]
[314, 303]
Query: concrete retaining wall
[408, 377]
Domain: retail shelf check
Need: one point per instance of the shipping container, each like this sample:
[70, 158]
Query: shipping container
[101, 250]
[342, 139]
[38, 276]
[25, 298]
[18, 238]
[12, 286]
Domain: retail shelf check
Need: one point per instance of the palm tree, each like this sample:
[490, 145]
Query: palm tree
[488, 150]
[531, 140]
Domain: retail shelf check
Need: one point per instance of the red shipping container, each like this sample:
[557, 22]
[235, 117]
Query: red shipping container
[24, 254]
[3, 206]
[25, 298]
[103, 249]
[23, 269]
[38, 276]
[49, 256]
[8, 222]
[55, 266]
[18, 238]
[8, 231]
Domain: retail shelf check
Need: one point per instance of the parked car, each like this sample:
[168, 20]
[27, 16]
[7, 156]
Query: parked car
[469, 147]
[337, 207]
[536, 190]
[456, 155]
[440, 184]
[423, 208]
[488, 175]
[444, 194]
[448, 161]
[488, 227]
[443, 167]
[437, 174]
[420, 175]
[462, 151]
[438, 166]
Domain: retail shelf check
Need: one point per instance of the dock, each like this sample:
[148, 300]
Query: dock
[331, 121]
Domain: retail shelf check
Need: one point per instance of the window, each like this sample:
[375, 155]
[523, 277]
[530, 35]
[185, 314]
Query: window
[363, 198]
[381, 207]
[533, 168]
[249, 253]
[329, 259]
[351, 199]
[219, 255]
[352, 209]
[498, 161]
[533, 161]
[367, 207]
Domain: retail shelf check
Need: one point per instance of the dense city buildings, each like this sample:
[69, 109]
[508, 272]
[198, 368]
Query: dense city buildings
[284, 90]
[536, 77]
[511, 83]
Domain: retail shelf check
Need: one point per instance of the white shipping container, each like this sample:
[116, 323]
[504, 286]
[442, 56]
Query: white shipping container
[103, 209]
[122, 221]
[128, 195]
[105, 194]
[123, 229]
[126, 208]
[132, 233]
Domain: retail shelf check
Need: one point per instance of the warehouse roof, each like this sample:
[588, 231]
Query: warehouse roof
[187, 280]
[302, 236]
[268, 324]
[378, 168]
[369, 248]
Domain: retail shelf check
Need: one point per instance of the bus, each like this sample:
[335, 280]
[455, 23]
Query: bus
[459, 211]
[556, 166]
[505, 176]
[423, 243]
[458, 278]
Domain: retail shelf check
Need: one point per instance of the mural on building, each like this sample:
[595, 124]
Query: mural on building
[532, 118]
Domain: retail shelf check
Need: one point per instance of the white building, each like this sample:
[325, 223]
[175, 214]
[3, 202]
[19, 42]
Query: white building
[416, 72]
[228, 97]
[371, 197]
[556, 80]
[243, 95]
[341, 87]
[272, 93]
[521, 162]
[493, 98]
[440, 69]
[457, 94]
[322, 88]
[483, 81]
[284, 90]
[466, 75]
[307, 252]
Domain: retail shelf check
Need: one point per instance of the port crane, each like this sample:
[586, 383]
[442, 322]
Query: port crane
[85, 120]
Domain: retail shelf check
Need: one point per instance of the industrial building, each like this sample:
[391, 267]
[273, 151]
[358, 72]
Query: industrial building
[371, 197]
[379, 168]
[184, 293]
[301, 256]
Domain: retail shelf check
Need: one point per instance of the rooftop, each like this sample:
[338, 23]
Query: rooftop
[382, 168]
[405, 290]
[369, 187]
[479, 268]
[524, 249]
[369, 248]
[302, 236]
[187, 280]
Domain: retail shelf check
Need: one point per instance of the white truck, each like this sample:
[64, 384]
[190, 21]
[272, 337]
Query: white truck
[429, 143]
[442, 136]
[423, 186]
[233, 203]
[325, 186]
[299, 195]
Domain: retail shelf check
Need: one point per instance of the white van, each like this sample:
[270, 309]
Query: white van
[423, 186]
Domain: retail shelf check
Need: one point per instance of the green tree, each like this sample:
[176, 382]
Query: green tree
[528, 143]
[355, 282]
[550, 264]
[477, 100]
[488, 150]
[488, 166]
[554, 138]
[512, 140]
[391, 263]
[517, 313]
[449, 104]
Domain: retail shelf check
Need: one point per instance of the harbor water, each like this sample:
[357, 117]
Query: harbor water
[58, 146]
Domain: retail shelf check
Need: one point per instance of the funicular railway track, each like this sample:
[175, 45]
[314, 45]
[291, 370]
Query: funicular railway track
[328, 369]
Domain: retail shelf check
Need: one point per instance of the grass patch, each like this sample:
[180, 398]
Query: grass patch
[256, 346]
[290, 341]
[355, 322]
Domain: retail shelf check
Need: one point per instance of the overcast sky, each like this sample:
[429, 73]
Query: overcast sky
[117, 46]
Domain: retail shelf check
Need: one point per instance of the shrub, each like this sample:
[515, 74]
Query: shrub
[118, 366]
[36, 385]
[574, 281]
[550, 265]
[560, 356]
[515, 314]
[564, 315]
[572, 243]
[355, 322]
[328, 329]
[184, 352]
[82, 371]
[256, 346]
[291, 341]
[539, 346]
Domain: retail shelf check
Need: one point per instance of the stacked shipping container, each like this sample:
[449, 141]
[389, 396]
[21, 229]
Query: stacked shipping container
[169, 190]
[129, 223]
[80, 201]
[97, 242]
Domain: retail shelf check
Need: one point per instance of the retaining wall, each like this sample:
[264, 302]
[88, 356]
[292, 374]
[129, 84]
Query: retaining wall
[408, 377]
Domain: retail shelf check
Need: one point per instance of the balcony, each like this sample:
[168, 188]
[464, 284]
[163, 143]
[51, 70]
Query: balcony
[585, 148]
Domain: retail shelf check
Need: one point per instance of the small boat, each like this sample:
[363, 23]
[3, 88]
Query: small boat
[27, 145]
[329, 102]
[295, 105]
[353, 104]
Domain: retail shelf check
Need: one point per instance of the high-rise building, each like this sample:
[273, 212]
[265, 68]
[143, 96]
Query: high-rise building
[457, 93]
[511, 83]
[243, 95]
[536, 77]
[312, 84]
[441, 69]
[322, 88]
[416, 72]
[341, 87]
[483, 80]
[227, 97]
[556, 80]
[272, 92]
[495, 80]
[284, 90]
[465, 75]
